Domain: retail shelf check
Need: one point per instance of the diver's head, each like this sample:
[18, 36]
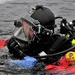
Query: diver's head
[44, 15]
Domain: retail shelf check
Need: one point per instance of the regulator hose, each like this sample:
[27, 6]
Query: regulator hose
[50, 55]
[69, 29]
[59, 17]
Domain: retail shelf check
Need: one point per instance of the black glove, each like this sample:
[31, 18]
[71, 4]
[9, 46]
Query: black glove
[14, 48]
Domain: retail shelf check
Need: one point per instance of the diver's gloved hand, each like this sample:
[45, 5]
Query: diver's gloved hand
[27, 62]
[14, 47]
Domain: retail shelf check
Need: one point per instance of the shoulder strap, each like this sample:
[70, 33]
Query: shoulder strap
[57, 43]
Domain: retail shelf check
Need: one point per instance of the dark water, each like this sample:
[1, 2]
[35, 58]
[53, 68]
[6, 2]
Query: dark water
[13, 10]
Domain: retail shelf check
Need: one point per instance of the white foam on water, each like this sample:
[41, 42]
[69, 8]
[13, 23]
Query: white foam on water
[4, 1]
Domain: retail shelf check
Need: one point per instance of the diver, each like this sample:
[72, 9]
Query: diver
[36, 35]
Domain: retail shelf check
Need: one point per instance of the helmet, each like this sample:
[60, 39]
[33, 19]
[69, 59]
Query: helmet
[45, 16]
[28, 41]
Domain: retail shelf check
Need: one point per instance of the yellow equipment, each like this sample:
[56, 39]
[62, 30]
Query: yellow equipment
[70, 55]
[73, 42]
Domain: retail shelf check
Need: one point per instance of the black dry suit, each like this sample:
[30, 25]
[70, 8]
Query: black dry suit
[31, 38]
